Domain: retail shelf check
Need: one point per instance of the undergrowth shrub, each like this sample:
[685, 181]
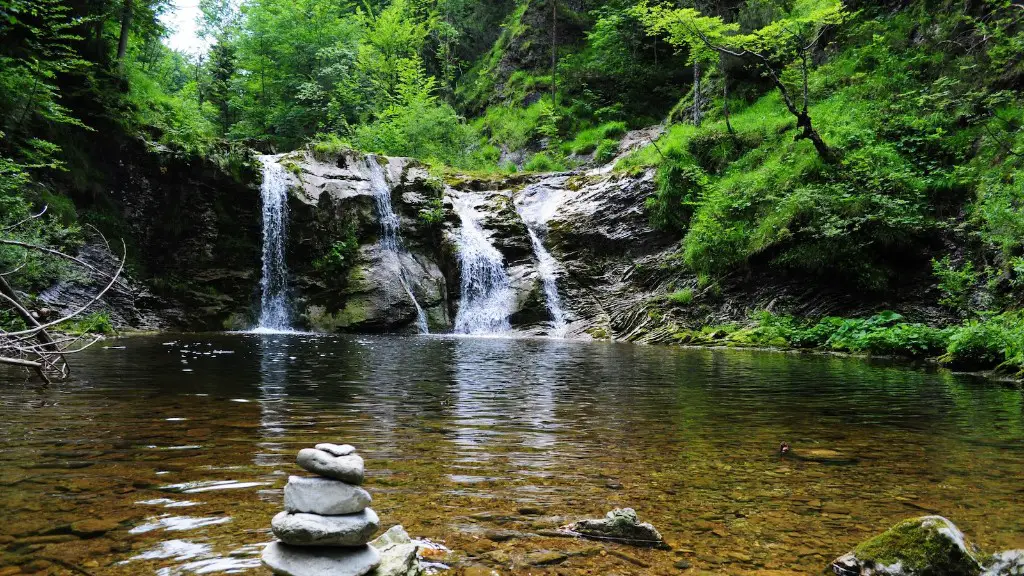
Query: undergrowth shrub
[680, 188]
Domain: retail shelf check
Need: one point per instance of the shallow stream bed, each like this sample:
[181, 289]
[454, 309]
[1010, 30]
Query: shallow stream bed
[175, 450]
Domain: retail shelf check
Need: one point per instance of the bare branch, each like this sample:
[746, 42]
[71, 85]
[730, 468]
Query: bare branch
[28, 219]
[87, 305]
[20, 362]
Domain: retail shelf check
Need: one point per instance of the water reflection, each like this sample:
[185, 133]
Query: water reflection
[460, 434]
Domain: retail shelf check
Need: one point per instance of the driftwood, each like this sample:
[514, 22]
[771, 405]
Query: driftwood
[35, 347]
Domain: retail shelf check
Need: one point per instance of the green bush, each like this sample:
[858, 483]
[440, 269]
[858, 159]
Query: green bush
[542, 162]
[680, 188]
[94, 323]
[682, 297]
[339, 257]
[606, 151]
[955, 283]
[994, 342]
[328, 145]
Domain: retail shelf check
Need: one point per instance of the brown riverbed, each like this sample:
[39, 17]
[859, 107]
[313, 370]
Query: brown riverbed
[169, 456]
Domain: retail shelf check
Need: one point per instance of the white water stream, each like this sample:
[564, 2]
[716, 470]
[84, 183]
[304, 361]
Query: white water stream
[391, 239]
[486, 291]
[536, 205]
[274, 313]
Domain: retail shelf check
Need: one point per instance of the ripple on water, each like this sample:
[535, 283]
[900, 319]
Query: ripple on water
[178, 523]
[210, 486]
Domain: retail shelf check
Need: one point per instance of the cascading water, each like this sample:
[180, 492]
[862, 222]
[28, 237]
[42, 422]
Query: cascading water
[486, 301]
[390, 239]
[274, 316]
[536, 205]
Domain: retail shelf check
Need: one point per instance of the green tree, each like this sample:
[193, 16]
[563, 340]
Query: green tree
[785, 42]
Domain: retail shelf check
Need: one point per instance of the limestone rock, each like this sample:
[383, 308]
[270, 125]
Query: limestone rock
[285, 560]
[345, 468]
[324, 496]
[620, 524]
[1009, 563]
[397, 553]
[300, 529]
[337, 449]
[917, 547]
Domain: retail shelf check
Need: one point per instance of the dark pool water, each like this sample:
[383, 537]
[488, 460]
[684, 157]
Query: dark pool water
[180, 446]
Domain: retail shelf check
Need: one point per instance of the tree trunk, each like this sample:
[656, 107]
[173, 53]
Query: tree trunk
[554, 53]
[725, 104]
[126, 25]
[697, 116]
[803, 121]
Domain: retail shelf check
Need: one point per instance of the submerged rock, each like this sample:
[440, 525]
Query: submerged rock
[300, 529]
[620, 524]
[286, 560]
[324, 496]
[925, 546]
[397, 553]
[345, 468]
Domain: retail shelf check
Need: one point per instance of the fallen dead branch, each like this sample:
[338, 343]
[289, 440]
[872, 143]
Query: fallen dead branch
[34, 347]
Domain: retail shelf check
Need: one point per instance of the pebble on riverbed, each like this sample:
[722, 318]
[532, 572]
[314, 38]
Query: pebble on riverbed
[327, 524]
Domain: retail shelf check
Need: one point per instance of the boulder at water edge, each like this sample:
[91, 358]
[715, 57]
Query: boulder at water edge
[286, 560]
[926, 546]
[299, 529]
[397, 553]
[324, 496]
[348, 468]
[621, 525]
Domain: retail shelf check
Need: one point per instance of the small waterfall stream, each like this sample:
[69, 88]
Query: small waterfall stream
[536, 205]
[486, 301]
[390, 239]
[274, 314]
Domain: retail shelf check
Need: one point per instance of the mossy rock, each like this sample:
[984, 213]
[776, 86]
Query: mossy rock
[925, 546]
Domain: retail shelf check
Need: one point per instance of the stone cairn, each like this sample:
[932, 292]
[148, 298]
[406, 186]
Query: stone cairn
[327, 523]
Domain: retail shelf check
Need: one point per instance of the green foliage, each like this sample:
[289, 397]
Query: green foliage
[94, 323]
[339, 258]
[886, 334]
[681, 297]
[589, 140]
[416, 124]
[543, 162]
[955, 283]
[328, 145]
[680, 188]
[992, 342]
[882, 334]
[33, 271]
[433, 214]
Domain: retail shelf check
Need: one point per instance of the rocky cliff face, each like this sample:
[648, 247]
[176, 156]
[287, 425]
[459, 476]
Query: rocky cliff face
[346, 279]
[574, 252]
[192, 231]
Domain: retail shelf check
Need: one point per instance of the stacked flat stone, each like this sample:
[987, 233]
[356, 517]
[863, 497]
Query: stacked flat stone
[327, 523]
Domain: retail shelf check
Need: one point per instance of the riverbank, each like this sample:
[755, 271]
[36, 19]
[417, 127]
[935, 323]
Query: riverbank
[990, 347]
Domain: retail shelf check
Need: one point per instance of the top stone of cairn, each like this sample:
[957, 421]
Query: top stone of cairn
[332, 461]
[337, 449]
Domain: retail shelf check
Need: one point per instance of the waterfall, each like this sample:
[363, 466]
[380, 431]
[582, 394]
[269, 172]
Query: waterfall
[274, 316]
[486, 300]
[390, 239]
[536, 205]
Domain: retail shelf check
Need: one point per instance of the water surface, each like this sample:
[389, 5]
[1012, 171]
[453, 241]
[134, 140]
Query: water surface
[183, 444]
